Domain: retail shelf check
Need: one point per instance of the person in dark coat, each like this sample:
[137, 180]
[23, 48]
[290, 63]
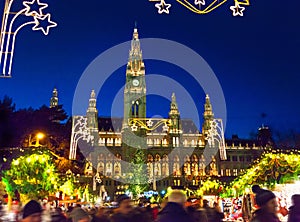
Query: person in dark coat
[294, 213]
[174, 210]
[32, 212]
[266, 200]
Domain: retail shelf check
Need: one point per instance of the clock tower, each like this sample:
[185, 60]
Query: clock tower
[135, 88]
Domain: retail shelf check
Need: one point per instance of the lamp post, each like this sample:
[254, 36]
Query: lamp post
[39, 136]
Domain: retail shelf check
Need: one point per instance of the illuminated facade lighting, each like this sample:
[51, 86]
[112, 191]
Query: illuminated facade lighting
[8, 34]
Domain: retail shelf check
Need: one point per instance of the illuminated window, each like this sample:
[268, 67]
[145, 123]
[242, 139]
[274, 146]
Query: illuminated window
[117, 169]
[176, 167]
[235, 172]
[100, 168]
[227, 172]
[108, 169]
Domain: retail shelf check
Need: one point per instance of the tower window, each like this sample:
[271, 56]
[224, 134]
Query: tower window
[135, 109]
[132, 110]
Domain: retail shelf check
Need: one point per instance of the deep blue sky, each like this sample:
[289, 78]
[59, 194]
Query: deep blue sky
[255, 57]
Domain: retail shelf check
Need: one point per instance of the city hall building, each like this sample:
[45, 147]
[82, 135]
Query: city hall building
[176, 152]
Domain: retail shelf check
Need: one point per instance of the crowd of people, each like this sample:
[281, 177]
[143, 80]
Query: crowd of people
[172, 209]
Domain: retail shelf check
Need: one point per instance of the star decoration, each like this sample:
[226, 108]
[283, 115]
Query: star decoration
[165, 128]
[42, 19]
[163, 7]
[149, 123]
[134, 128]
[81, 129]
[237, 10]
[34, 8]
[199, 2]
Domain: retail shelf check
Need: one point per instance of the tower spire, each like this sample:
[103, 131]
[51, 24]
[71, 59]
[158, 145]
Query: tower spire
[208, 115]
[92, 113]
[135, 88]
[175, 129]
[174, 106]
[135, 32]
[54, 98]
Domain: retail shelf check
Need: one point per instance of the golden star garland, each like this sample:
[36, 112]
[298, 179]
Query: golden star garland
[237, 8]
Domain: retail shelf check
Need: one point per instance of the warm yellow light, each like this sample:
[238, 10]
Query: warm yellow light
[40, 136]
[28, 159]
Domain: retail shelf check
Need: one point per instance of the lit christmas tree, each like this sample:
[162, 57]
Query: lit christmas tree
[33, 176]
[139, 175]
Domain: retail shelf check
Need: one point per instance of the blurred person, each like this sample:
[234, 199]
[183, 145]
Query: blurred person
[101, 215]
[163, 203]
[122, 213]
[267, 203]
[197, 213]
[32, 212]
[141, 214]
[174, 210]
[58, 216]
[294, 210]
[80, 215]
[213, 214]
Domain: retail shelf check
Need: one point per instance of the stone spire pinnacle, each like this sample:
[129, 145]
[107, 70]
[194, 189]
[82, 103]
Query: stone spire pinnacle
[92, 113]
[54, 98]
[208, 115]
[174, 106]
[92, 100]
[135, 54]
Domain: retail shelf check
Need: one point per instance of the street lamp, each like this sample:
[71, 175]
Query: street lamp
[39, 136]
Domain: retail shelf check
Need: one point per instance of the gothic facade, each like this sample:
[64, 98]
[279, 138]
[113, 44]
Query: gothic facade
[176, 152]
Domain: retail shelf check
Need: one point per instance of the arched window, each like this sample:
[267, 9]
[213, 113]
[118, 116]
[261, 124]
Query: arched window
[117, 164]
[185, 143]
[100, 168]
[118, 156]
[149, 158]
[202, 166]
[176, 167]
[109, 157]
[101, 141]
[109, 169]
[118, 141]
[165, 165]
[187, 165]
[149, 142]
[157, 166]
[165, 142]
[194, 165]
[135, 108]
[101, 157]
[150, 165]
[213, 167]
[193, 143]
[117, 169]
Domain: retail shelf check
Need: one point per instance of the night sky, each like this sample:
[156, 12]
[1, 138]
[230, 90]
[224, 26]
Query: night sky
[255, 57]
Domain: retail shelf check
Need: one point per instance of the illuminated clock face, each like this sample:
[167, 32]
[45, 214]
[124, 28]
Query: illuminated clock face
[135, 82]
